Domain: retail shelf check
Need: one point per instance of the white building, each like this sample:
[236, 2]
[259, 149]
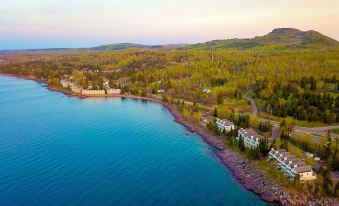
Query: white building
[308, 154]
[290, 165]
[113, 91]
[105, 83]
[206, 91]
[251, 138]
[161, 91]
[224, 124]
[75, 88]
[64, 83]
[93, 92]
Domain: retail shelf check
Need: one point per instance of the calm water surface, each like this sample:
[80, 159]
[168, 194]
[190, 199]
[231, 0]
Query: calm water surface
[58, 150]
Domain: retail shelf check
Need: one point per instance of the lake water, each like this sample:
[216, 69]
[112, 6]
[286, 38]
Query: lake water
[59, 150]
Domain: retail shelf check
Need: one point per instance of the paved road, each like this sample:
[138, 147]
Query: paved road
[317, 131]
[253, 105]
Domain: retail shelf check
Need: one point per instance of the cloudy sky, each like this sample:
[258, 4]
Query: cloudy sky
[82, 23]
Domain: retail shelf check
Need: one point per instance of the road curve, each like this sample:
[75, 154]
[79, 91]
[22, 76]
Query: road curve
[311, 130]
[253, 105]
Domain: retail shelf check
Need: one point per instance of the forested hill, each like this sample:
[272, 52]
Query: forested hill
[122, 46]
[278, 39]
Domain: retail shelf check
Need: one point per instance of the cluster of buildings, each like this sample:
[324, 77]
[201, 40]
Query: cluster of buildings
[79, 90]
[75, 88]
[286, 162]
[113, 91]
[292, 166]
[110, 90]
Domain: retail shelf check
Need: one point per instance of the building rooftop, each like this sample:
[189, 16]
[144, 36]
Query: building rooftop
[299, 163]
[293, 159]
[288, 156]
[225, 122]
[251, 132]
[303, 169]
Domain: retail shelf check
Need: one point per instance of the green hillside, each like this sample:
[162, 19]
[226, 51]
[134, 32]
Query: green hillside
[278, 39]
[120, 46]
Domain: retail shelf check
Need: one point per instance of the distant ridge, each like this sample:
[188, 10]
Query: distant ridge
[277, 39]
[280, 38]
[122, 46]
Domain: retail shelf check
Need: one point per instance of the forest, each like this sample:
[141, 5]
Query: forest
[299, 83]
[301, 99]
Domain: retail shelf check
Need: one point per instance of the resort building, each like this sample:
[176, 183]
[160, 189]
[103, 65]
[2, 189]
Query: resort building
[290, 165]
[75, 88]
[93, 92]
[206, 91]
[161, 91]
[105, 83]
[251, 138]
[224, 125]
[64, 83]
[113, 91]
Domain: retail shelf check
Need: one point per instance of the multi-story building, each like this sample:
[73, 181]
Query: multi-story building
[113, 91]
[64, 83]
[224, 125]
[93, 92]
[75, 88]
[251, 138]
[161, 91]
[290, 165]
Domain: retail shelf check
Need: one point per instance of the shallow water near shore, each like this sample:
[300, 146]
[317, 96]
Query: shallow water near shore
[59, 150]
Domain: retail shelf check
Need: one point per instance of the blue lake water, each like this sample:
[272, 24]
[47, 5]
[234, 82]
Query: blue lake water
[59, 150]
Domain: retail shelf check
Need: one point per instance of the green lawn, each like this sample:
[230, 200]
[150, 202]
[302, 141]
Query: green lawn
[268, 168]
[297, 122]
[335, 131]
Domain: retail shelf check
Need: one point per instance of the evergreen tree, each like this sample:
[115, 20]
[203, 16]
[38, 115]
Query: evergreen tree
[263, 147]
[215, 112]
[241, 144]
[313, 83]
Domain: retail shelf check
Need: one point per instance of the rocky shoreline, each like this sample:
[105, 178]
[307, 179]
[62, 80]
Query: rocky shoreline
[242, 169]
[246, 172]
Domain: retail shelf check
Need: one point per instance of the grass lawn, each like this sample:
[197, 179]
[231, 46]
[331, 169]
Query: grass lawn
[297, 122]
[278, 119]
[335, 131]
[268, 168]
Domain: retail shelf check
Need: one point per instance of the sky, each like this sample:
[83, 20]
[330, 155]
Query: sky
[32, 24]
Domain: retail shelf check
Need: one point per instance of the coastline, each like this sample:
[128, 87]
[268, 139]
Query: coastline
[243, 170]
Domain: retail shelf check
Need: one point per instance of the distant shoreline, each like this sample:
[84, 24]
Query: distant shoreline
[242, 169]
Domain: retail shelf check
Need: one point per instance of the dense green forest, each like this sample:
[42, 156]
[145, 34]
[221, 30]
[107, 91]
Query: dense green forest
[301, 84]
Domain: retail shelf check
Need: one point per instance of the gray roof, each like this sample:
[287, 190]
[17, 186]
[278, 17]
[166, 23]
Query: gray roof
[226, 122]
[251, 132]
[303, 169]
